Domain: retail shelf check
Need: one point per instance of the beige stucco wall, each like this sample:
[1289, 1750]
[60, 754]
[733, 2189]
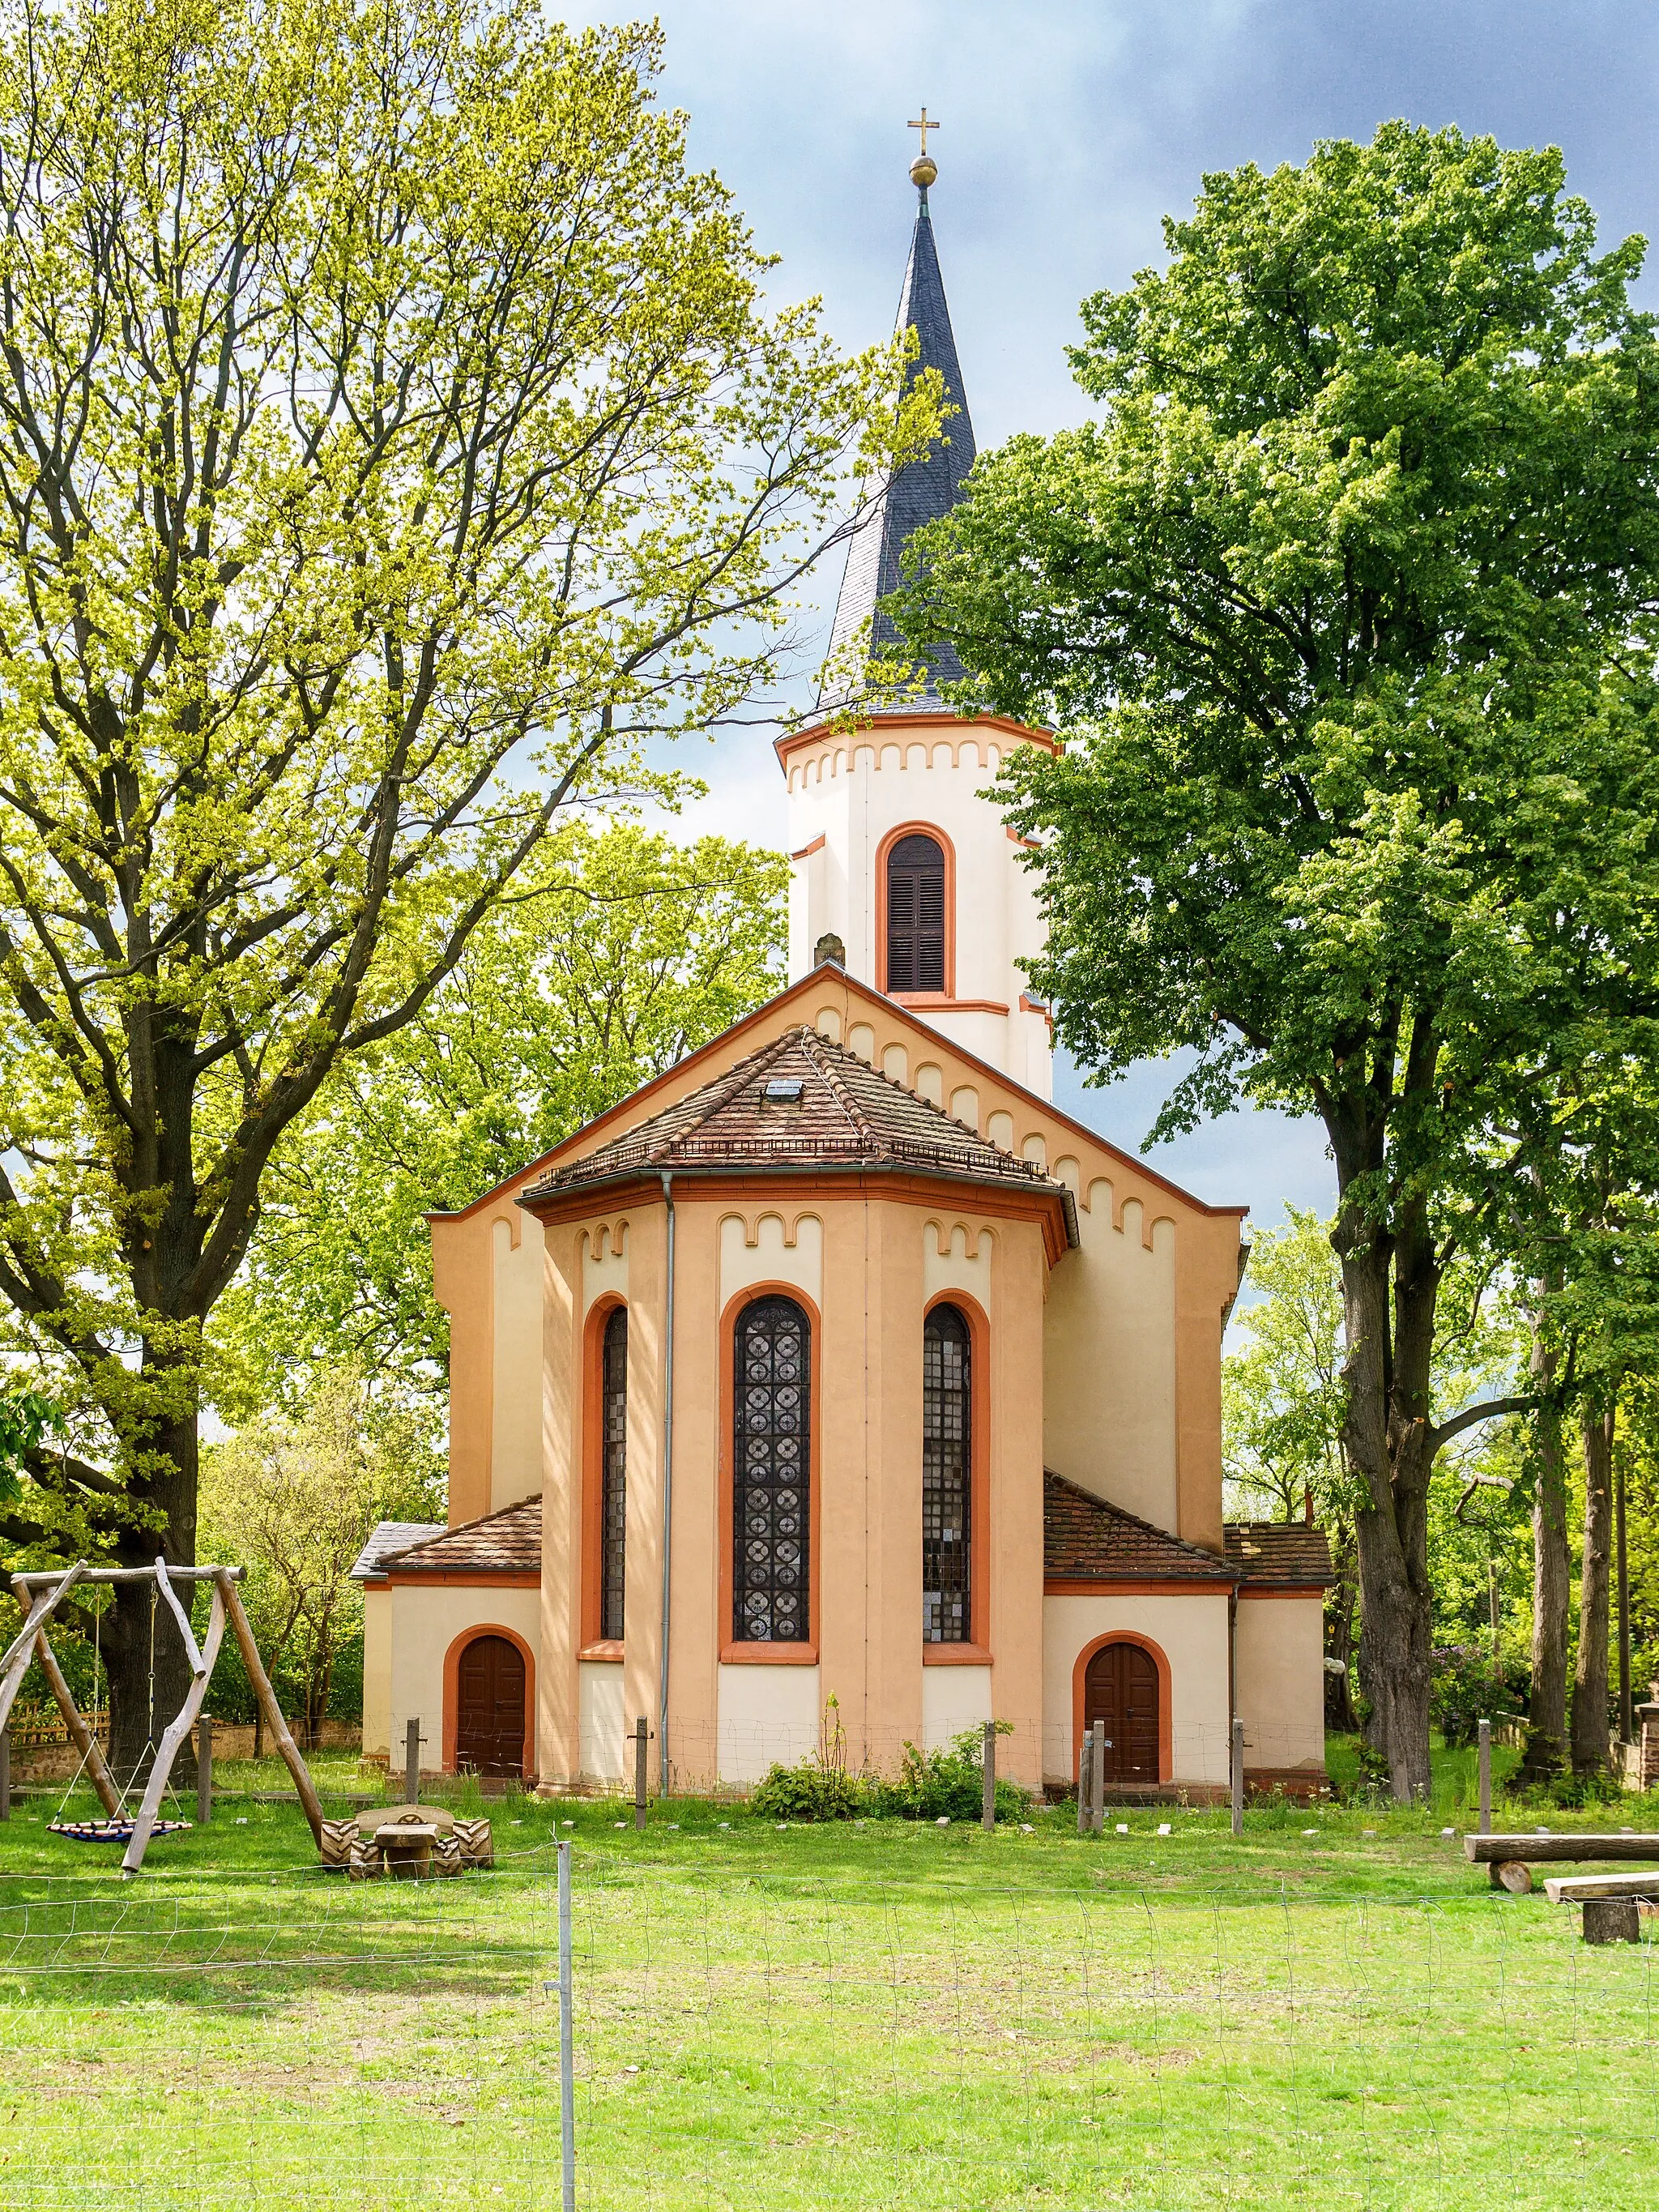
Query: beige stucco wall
[377, 1670]
[604, 1723]
[1192, 1633]
[425, 1621]
[766, 1713]
[1109, 1411]
[772, 1247]
[1280, 1659]
[515, 1469]
[954, 1698]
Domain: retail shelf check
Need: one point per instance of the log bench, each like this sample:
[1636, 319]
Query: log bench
[1611, 1901]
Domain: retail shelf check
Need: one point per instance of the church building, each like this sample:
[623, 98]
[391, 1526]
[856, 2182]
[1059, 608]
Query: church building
[837, 1387]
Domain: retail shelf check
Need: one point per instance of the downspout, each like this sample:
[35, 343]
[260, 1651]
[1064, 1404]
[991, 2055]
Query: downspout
[667, 1487]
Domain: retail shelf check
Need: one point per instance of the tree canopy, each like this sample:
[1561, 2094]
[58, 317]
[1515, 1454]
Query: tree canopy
[1342, 600]
[393, 436]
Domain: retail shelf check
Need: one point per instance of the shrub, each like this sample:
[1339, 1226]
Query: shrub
[948, 1783]
[810, 1791]
[1467, 1689]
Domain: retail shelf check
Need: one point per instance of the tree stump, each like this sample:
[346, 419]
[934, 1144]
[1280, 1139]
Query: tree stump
[1612, 1920]
[1512, 1874]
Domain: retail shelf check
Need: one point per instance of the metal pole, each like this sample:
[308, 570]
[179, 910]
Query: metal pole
[1086, 1765]
[412, 1762]
[1485, 1777]
[1238, 1777]
[987, 1803]
[567, 2038]
[204, 1771]
[1097, 1781]
[641, 1763]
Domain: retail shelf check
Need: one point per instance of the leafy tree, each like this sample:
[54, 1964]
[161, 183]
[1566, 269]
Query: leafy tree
[293, 1502]
[617, 953]
[394, 437]
[1340, 593]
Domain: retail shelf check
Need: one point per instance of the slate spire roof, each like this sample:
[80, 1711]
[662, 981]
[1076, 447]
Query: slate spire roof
[801, 1102]
[918, 493]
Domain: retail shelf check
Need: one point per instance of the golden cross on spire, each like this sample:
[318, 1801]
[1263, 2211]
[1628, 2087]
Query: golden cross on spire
[924, 124]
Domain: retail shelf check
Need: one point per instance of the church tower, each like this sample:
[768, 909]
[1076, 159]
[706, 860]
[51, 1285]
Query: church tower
[914, 878]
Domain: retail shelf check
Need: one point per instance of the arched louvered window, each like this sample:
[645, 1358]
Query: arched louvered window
[613, 1472]
[915, 915]
[947, 1479]
[771, 1470]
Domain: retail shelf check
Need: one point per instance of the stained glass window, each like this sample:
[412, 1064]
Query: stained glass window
[946, 1489]
[613, 1484]
[915, 915]
[771, 1474]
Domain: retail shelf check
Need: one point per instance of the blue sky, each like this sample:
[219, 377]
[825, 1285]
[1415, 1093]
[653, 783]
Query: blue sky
[1070, 127]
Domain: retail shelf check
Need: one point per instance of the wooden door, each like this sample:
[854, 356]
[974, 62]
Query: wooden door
[489, 1722]
[1119, 1692]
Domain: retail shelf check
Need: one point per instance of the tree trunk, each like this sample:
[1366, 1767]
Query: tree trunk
[1339, 1688]
[1547, 1733]
[1590, 1682]
[1387, 1438]
[148, 1672]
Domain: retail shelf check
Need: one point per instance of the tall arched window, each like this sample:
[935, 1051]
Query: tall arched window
[771, 1471]
[915, 915]
[947, 1479]
[613, 1472]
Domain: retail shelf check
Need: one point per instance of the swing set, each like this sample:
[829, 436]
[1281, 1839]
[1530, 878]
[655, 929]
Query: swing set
[42, 1592]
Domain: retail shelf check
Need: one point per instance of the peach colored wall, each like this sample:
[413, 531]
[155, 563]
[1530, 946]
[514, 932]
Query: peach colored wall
[1192, 1633]
[425, 1622]
[558, 1723]
[772, 1247]
[377, 1668]
[1281, 1680]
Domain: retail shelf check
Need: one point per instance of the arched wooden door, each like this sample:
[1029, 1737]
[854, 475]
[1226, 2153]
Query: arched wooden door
[489, 1715]
[1119, 1692]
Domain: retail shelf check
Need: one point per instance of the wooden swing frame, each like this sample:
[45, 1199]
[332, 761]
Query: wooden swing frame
[43, 1590]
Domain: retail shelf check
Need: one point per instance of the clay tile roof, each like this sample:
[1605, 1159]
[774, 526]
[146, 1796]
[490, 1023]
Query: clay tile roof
[801, 1102]
[1287, 1552]
[1085, 1539]
[507, 1542]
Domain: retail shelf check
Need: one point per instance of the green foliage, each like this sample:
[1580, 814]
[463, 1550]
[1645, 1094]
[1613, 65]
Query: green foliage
[948, 1783]
[398, 441]
[1281, 1391]
[619, 953]
[27, 1418]
[810, 1791]
[1468, 1689]
[1341, 600]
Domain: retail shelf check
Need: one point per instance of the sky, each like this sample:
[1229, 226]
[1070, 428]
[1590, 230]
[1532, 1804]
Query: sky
[1069, 129]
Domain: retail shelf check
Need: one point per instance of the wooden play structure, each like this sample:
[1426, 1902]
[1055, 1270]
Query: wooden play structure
[43, 1591]
[410, 1842]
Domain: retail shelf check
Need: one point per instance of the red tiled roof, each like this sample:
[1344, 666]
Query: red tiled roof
[1289, 1552]
[1086, 1540]
[507, 1542]
[802, 1102]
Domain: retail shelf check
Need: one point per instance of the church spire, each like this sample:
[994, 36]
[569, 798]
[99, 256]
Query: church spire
[923, 489]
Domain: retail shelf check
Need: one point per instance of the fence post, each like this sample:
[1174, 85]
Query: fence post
[642, 1767]
[412, 1762]
[566, 2039]
[1485, 1777]
[5, 1773]
[1085, 1767]
[988, 1804]
[1238, 1777]
[204, 1771]
[1097, 1782]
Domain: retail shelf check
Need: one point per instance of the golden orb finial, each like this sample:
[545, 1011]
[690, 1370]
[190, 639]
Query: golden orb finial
[924, 168]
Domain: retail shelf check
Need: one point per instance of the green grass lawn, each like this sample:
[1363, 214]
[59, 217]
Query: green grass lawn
[889, 2014]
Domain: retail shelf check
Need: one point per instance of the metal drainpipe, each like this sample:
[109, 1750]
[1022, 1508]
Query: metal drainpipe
[667, 1486]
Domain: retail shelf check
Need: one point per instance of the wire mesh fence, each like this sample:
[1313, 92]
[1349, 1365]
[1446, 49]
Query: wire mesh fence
[785, 2041]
